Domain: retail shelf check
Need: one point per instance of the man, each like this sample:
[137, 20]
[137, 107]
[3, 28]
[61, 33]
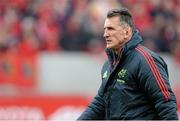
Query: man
[135, 82]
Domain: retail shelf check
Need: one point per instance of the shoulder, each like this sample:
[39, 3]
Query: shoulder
[134, 56]
[147, 55]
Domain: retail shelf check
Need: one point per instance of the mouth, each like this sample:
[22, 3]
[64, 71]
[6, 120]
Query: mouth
[108, 41]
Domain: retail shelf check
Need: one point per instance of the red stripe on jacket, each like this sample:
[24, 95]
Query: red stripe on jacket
[155, 71]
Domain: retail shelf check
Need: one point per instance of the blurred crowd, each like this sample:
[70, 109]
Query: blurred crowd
[32, 26]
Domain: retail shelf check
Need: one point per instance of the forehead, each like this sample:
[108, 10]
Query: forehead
[112, 21]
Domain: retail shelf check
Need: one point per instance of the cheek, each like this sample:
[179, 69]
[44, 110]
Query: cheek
[119, 38]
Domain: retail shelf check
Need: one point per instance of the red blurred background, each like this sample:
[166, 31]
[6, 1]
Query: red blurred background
[35, 34]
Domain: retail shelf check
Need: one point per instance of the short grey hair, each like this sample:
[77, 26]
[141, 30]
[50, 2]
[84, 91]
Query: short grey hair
[124, 15]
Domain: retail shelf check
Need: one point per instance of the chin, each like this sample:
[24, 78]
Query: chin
[108, 46]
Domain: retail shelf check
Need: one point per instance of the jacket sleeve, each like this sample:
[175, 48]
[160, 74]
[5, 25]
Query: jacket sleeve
[154, 80]
[96, 108]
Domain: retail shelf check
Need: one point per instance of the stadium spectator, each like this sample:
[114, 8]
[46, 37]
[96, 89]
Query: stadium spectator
[54, 17]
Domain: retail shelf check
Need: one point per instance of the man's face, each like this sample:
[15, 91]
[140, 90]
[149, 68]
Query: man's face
[114, 33]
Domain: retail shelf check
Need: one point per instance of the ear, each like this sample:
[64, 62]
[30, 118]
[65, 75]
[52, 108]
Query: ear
[127, 32]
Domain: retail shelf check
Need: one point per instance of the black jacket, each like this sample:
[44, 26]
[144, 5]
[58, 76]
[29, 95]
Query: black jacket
[135, 85]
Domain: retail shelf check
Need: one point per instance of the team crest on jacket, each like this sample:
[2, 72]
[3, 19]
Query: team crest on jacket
[122, 73]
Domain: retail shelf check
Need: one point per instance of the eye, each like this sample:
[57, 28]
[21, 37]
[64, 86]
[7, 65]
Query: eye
[110, 28]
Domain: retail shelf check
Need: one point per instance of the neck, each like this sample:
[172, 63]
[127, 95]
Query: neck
[118, 51]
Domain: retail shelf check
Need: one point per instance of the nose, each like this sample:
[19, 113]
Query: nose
[106, 35]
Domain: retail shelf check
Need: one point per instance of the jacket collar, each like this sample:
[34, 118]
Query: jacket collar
[132, 43]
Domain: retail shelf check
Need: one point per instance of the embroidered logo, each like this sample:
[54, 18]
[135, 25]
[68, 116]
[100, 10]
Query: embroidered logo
[105, 74]
[120, 81]
[122, 73]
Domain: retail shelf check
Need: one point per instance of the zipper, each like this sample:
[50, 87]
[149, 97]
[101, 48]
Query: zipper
[110, 90]
[110, 87]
